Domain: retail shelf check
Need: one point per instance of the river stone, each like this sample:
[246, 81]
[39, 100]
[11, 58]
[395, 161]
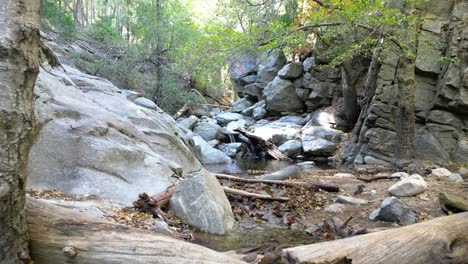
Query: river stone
[413, 185]
[350, 200]
[259, 113]
[209, 131]
[280, 96]
[318, 147]
[463, 172]
[453, 203]
[145, 102]
[455, 177]
[393, 210]
[291, 71]
[440, 173]
[241, 104]
[200, 200]
[92, 140]
[291, 148]
[206, 153]
[293, 172]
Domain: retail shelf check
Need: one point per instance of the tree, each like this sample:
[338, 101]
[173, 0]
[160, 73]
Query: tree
[19, 42]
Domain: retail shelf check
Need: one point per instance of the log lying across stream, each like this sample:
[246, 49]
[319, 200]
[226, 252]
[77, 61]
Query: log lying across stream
[264, 145]
[61, 235]
[441, 240]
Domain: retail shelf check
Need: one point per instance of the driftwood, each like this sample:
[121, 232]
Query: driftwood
[441, 240]
[264, 145]
[329, 187]
[377, 178]
[254, 195]
[61, 235]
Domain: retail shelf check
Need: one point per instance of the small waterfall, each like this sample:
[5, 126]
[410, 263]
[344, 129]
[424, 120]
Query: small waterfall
[232, 138]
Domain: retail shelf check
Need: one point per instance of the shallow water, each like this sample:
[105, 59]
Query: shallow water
[250, 233]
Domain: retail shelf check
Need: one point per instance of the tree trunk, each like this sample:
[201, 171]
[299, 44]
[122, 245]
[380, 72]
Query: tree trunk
[61, 235]
[348, 82]
[19, 42]
[159, 71]
[441, 240]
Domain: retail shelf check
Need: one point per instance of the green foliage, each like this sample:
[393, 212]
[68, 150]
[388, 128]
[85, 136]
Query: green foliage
[104, 31]
[57, 19]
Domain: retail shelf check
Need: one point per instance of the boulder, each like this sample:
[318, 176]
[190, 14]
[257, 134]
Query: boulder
[200, 201]
[280, 96]
[440, 173]
[291, 71]
[291, 148]
[232, 126]
[413, 185]
[209, 131]
[254, 90]
[350, 200]
[273, 58]
[463, 172]
[259, 113]
[452, 202]
[455, 177]
[308, 64]
[206, 153]
[278, 132]
[393, 210]
[227, 117]
[329, 134]
[145, 102]
[188, 123]
[318, 147]
[241, 104]
[241, 66]
[92, 140]
[266, 74]
[233, 150]
[249, 111]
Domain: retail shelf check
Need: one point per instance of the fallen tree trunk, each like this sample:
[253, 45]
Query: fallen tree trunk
[254, 195]
[441, 240]
[329, 187]
[264, 145]
[377, 178]
[61, 235]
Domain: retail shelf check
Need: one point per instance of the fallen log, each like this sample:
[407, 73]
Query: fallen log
[181, 111]
[254, 195]
[441, 240]
[61, 235]
[264, 145]
[329, 187]
[377, 178]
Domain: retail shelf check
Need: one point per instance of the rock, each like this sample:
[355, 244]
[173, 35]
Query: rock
[280, 96]
[214, 142]
[278, 132]
[306, 165]
[440, 173]
[303, 94]
[254, 90]
[335, 208]
[227, 117]
[393, 210]
[329, 134]
[452, 202]
[266, 74]
[318, 147]
[294, 120]
[293, 172]
[455, 177]
[206, 153]
[410, 186]
[214, 112]
[309, 63]
[130, 95]
[259, 113]
[188, 123]
[350, 200]
[463, 172]
[344, 175]
[200, 201]
[291, 71]
[402, 175]
[92, 140]
[291, 148]
[233, 150]
[273, 58]
[145, 102]
[241, 104]
[249, 79]
[375, 161]
[209, 131]
[249, 111]
[445, 118]
[241, 66]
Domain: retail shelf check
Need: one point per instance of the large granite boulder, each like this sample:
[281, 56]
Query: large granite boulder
[93, 140]
[280, 96]
[209, 130]
[291, 148]
[200, 200]
[206, 153]
[278, 132]
[291, 71]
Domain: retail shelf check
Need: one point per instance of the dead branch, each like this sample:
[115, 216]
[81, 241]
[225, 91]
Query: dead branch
[264, 145]
[254, 195]
[377, 178]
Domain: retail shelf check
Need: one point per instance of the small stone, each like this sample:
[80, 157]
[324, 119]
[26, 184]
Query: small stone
[373, 215]
[440, 172]
[69, 251]
[350, 200]
[344, 175]
[452, 202]
[394, 210]
[455, 177]
[410, 186]
[335, 208]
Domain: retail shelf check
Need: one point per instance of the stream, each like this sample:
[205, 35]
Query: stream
[250, 233]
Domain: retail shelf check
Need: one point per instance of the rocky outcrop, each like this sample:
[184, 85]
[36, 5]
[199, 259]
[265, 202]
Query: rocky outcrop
[95, 140]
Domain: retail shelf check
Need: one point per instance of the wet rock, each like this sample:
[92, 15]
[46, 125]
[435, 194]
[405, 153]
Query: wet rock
[233, 150]
[241, 104]
[280, 96]
[291, 148]
[455, 177]
[291, 71]
[318, 147]
[200, 200]
[440, 173]
[350, 200]
[335, 208]
[452, 202]
[393, 210]
[413, 185]
[206, 153]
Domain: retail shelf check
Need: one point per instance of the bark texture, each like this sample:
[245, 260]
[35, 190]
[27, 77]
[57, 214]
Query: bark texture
[19, 42]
